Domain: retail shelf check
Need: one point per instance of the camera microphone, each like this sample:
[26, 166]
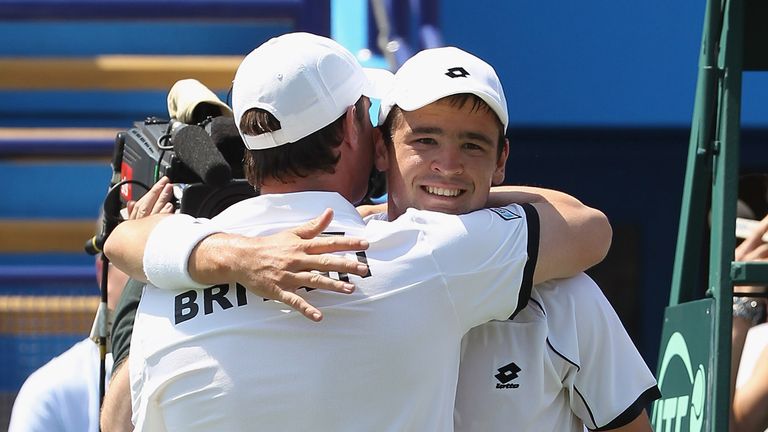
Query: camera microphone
[94, 245]
[190, 101]
[227, 139]
[195, 148]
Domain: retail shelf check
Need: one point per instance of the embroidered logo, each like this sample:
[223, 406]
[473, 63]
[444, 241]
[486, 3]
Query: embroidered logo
[506, 374]
[457, 72]
[505, 213]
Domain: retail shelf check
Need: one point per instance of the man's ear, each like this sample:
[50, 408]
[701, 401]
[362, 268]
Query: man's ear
[381, 152]
[351, 130]
[501, 164]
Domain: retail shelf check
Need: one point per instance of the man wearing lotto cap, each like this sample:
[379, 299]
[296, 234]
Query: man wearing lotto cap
[385, 357]
[562, 363]
[440, 72]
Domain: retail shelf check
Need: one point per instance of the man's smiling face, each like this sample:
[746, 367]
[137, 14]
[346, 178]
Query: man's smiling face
[444, 157]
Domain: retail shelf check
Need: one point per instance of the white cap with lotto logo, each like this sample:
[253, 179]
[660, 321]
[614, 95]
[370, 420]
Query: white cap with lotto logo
[435, 73]
[304, 80]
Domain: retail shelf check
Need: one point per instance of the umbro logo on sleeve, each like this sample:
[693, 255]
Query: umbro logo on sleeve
[506, 374]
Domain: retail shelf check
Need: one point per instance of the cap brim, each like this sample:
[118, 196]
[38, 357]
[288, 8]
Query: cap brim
[414, 101]
[380, 81]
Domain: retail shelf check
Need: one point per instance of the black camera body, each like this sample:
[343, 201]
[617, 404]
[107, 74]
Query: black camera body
[148, 152]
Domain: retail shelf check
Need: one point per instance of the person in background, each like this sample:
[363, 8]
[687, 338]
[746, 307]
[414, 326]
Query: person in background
[749, 337]
[63, 394]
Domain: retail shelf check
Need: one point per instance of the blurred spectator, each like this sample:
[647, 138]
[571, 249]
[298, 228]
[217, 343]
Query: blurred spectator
[63, 394]
[749, 338]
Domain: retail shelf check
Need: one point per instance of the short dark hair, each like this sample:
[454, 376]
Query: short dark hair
[315, 152]
[457, 100]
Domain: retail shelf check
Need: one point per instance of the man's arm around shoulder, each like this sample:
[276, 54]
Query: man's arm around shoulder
[116, 409]
[572, 236]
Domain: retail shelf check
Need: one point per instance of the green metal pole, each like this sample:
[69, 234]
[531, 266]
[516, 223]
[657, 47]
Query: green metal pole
[724, 193]
[698, 170]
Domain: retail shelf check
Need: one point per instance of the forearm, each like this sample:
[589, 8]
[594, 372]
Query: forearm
[573, 237]
[504, 195]
[125, 245]
[116, 410]
[590, 226]
[750, 405]
[751, 410]
[215, 259]
[369, 209]
[738, 335]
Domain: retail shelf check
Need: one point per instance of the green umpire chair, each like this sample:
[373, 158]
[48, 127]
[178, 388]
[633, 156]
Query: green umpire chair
[694, 360]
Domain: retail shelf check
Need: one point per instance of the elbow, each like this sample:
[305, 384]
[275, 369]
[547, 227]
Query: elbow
[116, 249]
[603, 236]
[598, 240]
[115, 245]
[110, 249]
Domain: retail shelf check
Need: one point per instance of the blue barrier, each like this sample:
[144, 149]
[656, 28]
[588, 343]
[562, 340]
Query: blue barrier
[79, 28]
[42, 274]
[71, 274]
[306, 15]
[55, 108]
[38, 289]
[52, 147]
[48, 259]
[91, 38]
[55, 190]
[53, 274]
[20, 355]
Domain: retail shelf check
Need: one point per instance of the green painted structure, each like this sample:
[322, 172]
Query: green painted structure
[694, 360]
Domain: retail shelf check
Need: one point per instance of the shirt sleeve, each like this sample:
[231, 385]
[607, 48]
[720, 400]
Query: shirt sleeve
[611, 384]
[125, 314]
[34, 409]
[487, 258]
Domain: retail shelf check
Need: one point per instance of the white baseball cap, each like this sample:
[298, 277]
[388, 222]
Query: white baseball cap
[306, 81]
[435, 73]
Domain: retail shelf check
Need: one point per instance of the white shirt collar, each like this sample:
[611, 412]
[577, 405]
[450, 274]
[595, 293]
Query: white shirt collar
[295, 207]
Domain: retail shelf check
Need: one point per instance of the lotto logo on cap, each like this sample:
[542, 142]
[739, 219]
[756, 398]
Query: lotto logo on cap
[439, 72]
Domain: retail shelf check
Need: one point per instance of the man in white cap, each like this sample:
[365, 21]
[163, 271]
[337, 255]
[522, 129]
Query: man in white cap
[563, 362]
[386, 356]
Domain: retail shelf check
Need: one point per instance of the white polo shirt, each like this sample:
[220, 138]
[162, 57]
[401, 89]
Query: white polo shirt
[383, 358]
[63, 394]
[564, 362]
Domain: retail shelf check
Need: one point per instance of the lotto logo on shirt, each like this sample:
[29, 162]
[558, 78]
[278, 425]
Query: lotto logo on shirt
[506, 374]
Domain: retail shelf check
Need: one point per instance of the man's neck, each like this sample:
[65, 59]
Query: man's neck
[299, 184]
[393, 212]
